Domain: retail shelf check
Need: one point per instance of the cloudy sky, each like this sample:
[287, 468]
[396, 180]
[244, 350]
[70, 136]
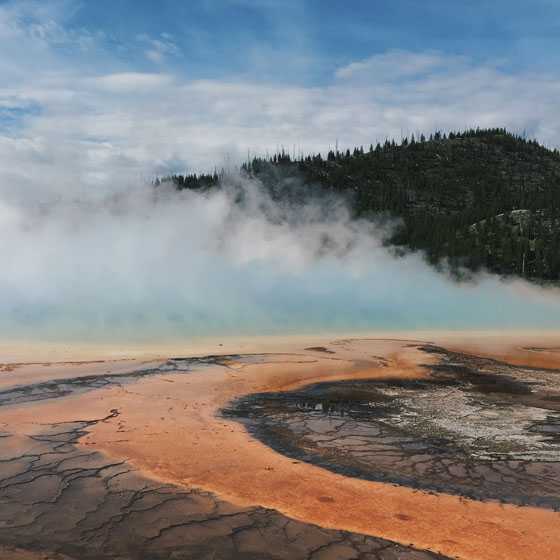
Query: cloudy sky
[94, 93]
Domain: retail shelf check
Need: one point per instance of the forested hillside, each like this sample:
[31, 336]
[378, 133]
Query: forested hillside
[479, 199]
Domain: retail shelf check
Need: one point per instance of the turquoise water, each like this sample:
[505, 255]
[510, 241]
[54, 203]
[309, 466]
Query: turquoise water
[255, 299]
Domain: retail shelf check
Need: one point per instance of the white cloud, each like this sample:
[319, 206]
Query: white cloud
[398, 64]
[98, 126]
[43, 23]
[130, 82]
[160, 48]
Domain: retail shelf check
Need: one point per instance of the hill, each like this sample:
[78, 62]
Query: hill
[479, 199]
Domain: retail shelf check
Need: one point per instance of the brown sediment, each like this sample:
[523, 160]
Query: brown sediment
[170, 427]
[60, 502]
[20, 554]
[517, 355]
[475, 427]
[28, 373]
[320, 349]
[539, 351]
[61, 498]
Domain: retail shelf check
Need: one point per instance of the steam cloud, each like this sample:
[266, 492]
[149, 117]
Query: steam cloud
[154, 263]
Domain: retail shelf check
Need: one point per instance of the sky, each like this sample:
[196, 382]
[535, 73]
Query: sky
[130, 88]
[97, 98]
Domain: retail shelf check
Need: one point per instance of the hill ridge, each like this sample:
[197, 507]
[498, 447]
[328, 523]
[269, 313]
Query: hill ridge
[438, 187]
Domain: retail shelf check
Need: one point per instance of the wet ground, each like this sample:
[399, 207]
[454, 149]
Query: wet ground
[64, 501]
[474, 426]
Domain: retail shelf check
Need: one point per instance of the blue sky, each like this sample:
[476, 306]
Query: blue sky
[302, 40]
[219, 38]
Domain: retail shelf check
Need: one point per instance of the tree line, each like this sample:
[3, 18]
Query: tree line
[470, 200]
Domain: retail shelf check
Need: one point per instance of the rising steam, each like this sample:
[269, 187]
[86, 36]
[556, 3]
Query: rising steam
[156, 263]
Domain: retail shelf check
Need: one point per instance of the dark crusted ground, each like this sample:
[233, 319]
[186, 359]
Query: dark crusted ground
[57, 388]
[57, 497]
[475, 427]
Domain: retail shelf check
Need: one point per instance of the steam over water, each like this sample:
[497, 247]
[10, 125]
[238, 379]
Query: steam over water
[155, 263]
